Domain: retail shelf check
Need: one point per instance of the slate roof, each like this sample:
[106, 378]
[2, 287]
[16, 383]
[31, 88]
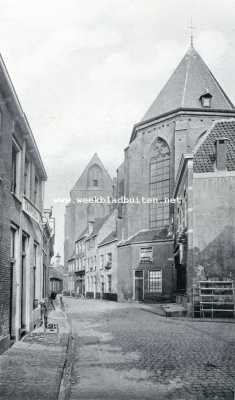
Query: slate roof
[72, 257]
[188, 82]
[109, 239]
[147, 236]
[98, 223]
[82, 235]
[204, 154]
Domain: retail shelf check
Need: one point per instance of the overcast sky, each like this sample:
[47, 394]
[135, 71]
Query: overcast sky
[86, 71]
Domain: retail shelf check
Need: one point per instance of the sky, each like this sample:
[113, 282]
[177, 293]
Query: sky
[87, 71]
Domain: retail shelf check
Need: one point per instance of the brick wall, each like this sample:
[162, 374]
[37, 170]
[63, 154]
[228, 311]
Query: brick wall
[5, 198]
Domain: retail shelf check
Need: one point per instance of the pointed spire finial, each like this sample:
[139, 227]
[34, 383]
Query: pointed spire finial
[191, 27]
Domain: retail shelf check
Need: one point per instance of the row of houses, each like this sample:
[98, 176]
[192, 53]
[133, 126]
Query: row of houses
[174, 224]
[26, 228]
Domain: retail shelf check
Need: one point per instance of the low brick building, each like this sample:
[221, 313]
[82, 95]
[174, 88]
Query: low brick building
[204, 245]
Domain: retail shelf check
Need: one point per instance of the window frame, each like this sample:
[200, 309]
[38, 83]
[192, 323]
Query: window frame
[35, 259]
[159, 186]
[155, 281]
[15, 168]
[141, 250]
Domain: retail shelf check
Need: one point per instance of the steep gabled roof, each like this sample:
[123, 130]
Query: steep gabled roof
[188, 82]
[111, 237]
[82, 180]
[83, 234]
[98, 223]
[204, 153]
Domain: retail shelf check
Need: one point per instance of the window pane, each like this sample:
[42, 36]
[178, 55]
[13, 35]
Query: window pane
[155, 281]
[160, 185]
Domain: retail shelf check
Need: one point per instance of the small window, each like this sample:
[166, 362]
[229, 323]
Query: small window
[26, 177]
[109, 283]
[13, 235]
[155, 281]
[205, 99]
[15, 168]
[146, 254]
[36, 190]
[95, 182]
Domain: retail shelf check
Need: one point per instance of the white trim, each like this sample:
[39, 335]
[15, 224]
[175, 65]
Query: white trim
[216, 174]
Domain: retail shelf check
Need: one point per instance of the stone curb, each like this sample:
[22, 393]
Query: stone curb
[65, 381]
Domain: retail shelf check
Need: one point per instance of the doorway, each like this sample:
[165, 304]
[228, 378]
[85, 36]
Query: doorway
[139, 285]
[23, 283]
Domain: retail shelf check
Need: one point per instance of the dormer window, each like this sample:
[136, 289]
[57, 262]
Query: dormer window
[205, 99]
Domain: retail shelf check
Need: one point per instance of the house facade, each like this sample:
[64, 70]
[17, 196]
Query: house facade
[80, 263]
[23, 231]
[108, 266]
[204, 246]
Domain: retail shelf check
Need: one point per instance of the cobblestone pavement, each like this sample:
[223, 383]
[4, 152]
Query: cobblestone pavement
[123, 352]
[32, 368]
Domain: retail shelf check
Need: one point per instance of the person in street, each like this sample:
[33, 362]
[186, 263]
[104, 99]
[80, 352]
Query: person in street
[61, 300]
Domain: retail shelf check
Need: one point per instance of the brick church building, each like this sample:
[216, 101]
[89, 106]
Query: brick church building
[94, 181]
[190, 102]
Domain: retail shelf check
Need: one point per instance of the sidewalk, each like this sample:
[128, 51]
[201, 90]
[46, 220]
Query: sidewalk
[32, 368]
[177, 312]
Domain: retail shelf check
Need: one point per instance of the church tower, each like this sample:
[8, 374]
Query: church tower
[94, 181]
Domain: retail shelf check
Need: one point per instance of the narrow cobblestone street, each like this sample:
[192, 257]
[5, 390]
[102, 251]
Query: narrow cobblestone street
[123, 352]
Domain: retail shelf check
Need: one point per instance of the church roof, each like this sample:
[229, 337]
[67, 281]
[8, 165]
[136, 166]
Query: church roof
[191, 79]
[204, 153]
[147, 235]
[82, 180]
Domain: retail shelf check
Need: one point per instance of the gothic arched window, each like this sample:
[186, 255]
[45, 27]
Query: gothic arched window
[94, 176]
[159, 184]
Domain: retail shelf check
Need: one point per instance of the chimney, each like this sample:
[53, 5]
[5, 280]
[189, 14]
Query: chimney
[57, 260]
[90, 227]
[221, 153]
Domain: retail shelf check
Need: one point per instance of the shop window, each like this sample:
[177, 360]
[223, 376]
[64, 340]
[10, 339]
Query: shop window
[155, 281]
